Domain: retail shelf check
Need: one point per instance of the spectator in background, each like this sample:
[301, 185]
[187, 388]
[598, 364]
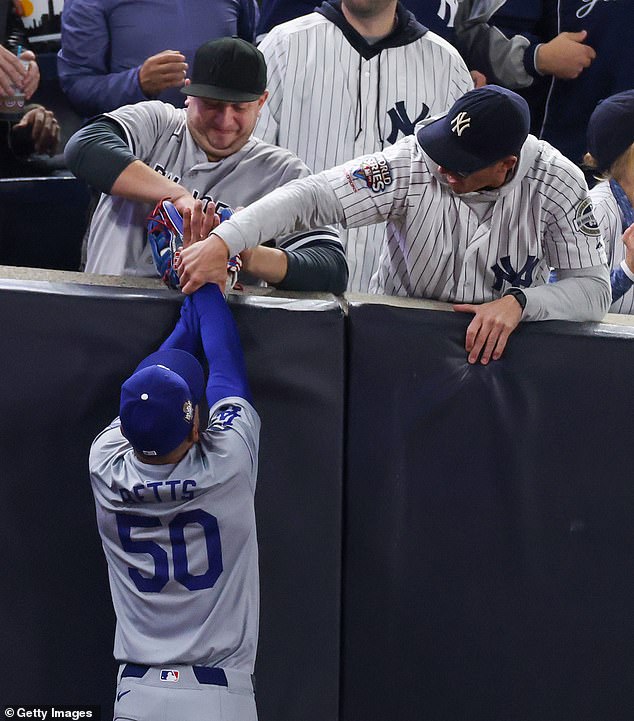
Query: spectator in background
[611, 153]
[562, 56]
[351, 78]
[116, 52]
[436, 15]
[31, 130]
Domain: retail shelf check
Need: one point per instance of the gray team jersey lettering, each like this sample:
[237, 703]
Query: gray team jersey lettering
[171, 490]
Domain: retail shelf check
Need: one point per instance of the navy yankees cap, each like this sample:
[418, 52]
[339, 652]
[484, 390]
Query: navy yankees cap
[482, 127]
[229, 69]
[611, 129]
[158, 401]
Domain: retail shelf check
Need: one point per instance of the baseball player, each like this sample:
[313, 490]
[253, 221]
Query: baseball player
[142, 153]
[477, 211]
[611, 153]
[176, 518]
[351, 78]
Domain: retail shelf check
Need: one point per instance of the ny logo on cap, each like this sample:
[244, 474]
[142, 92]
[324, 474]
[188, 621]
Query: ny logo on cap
[460, 123]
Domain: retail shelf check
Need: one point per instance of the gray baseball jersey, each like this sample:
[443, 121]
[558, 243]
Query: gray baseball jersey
[611, 223]
[328, 103]
[180, 541]
[157, 134]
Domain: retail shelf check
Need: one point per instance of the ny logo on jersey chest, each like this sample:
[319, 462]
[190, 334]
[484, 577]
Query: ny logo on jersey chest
[400, 120]
[447, 11]
[504, 271]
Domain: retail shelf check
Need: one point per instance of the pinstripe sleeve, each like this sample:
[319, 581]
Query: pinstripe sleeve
[274, 49]
[297, 206]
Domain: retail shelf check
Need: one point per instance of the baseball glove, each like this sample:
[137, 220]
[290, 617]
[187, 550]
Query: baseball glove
[165, 236]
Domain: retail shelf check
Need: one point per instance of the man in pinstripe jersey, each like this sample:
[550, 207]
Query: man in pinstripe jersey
[477, 212]
[351, 78]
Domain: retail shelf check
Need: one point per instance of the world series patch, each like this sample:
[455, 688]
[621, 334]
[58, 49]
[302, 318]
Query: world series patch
[374, 172]
[585, 222]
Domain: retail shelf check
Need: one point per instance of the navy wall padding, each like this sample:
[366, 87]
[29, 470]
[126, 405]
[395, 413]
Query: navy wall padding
[489, 552]
[43, 221]
[66, 350]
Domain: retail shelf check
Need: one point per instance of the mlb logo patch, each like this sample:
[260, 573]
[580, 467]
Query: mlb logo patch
[170, 675]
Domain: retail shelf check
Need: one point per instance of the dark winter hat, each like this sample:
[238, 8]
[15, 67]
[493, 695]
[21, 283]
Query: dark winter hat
[611, 129]
[158, 401]
[228, 69]
[482, 127]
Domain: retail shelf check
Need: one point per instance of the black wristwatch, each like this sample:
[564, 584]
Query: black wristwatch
[519, 296]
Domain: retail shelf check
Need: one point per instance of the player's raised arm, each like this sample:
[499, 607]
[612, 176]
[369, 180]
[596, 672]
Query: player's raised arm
[221, 343]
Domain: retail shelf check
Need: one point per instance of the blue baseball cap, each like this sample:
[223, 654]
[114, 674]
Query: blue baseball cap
[159, 399]
[482, 127]
[611, 129]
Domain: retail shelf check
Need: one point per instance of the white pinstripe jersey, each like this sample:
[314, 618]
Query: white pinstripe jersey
[327, 104]
[157, 134]
[473, 247]
[610, 221]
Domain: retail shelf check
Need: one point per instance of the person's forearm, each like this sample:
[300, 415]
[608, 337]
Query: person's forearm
[298, 205]
[317, 268]
[186, 333]
[140, 183]
[579, 295]
[267, 264]
[221, 343]
[93, 93]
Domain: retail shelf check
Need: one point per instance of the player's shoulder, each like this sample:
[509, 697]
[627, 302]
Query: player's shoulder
[295, 28]
[275, 158]
[108, 446]
[602, 193]
[148, 115]
[553, 168]
[433, 40]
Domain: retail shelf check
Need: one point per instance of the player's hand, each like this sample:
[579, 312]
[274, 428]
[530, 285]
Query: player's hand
[12, 72]
[44, 129]
[164, 70]
[565, 56]
[198, 223]
[490, 328]
[628, 242]
[202, 262]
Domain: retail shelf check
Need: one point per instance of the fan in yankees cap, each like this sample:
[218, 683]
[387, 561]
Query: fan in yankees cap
[484, 127]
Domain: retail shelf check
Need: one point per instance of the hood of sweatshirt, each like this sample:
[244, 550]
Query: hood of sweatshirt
[407, 29]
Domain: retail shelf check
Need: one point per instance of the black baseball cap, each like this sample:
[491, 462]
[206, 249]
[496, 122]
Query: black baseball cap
[611, 129]
[482, 127]
[229, 69]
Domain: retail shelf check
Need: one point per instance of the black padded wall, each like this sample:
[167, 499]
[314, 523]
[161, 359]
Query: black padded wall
[489, 553]
[66, 350]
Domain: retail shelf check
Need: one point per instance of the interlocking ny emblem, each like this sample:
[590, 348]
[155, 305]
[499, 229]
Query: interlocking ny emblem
[517, 278]
[400, 120]
[460, 123]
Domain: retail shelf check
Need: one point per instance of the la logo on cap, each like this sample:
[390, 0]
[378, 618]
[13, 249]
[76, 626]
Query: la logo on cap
[460, 123]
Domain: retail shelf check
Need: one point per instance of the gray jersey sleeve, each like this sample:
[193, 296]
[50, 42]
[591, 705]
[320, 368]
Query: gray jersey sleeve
[486, 48]
[579, 294]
